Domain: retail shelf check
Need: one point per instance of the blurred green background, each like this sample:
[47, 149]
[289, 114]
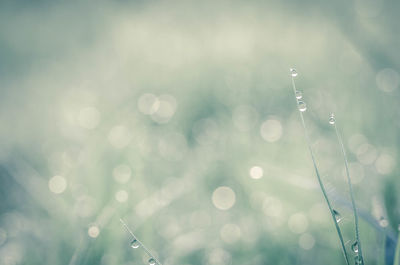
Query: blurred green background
[179, 117]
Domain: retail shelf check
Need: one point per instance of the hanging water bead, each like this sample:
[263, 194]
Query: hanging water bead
[302, 106]
[135, 244]
[337, 215]
[152, 261]
[354, 247]
[299, 95]
[293, 72]
[358, 260]
[332, 119]
[383, 222]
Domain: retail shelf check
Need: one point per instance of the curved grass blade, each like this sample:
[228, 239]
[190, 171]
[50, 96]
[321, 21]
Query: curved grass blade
[360, 256]
[321, 184]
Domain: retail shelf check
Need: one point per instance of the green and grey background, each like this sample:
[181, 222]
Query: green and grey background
[179, 117]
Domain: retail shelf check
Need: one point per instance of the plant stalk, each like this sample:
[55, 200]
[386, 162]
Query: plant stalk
[321, 184]
[140, 243]
[351, 195]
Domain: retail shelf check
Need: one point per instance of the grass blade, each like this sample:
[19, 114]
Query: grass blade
[140, 243]
[360, 256]
[321, 184]
[397, 253]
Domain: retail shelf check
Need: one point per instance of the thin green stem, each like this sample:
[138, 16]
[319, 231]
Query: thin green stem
[397, 254]
[353, 202]
[320, 180]
[381, 259]
[138, 241]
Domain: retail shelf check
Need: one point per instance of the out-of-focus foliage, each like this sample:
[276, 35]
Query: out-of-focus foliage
[178, 116]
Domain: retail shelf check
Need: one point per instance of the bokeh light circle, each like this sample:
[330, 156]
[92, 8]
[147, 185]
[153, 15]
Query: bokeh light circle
[271, 130]
[93, 231]
[223, 198]
[256, 172]
[57, 184]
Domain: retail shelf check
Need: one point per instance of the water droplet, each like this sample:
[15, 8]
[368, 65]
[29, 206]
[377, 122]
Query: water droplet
[152, 261]
[338, 217]
[332, 119]
[299, 95]
[293, 72]
[383, 222]
[358, 260]
[354, 247]
[302, 106]
[135, 244]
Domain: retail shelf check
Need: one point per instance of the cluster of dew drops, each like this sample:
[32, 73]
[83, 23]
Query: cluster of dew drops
[357, 258]
[301, 104]
[135, 244]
